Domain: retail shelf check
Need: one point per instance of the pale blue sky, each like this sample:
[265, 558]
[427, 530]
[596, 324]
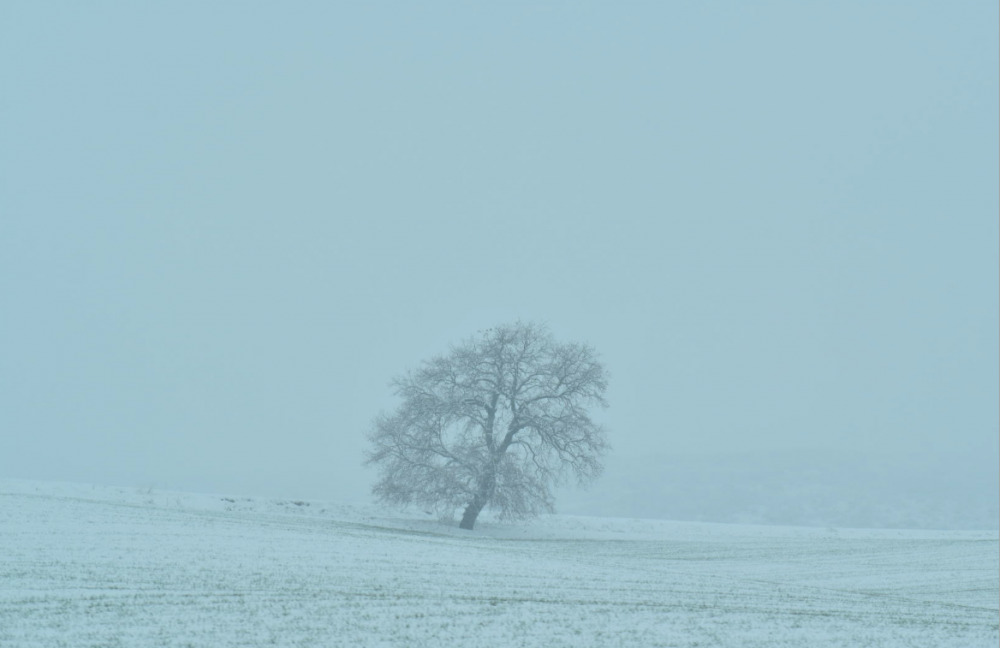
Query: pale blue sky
[225, 225]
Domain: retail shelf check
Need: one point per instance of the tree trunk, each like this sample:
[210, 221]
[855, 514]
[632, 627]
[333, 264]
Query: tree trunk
[484, 491]
[472, 512]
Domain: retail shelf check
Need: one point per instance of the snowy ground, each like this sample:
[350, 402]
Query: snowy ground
[97, 566]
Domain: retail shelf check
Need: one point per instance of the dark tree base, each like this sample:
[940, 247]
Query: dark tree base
[471, 513]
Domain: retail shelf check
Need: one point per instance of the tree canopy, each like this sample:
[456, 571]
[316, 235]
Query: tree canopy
[495, 422]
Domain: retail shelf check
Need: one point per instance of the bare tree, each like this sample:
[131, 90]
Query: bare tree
[497, 421]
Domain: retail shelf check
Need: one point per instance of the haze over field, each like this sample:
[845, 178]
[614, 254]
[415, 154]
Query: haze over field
[225, 226]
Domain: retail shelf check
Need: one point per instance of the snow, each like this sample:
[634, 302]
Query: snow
[95, 566]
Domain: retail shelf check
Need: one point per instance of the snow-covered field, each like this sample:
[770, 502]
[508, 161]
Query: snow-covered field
[97, 566]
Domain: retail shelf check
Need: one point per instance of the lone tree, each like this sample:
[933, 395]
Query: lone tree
[496, 421]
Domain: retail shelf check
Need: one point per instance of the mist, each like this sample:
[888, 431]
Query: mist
[224, 228]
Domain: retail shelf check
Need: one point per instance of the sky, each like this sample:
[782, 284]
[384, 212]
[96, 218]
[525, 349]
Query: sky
[225, 226]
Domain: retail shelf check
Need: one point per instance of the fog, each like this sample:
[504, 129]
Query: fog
[225, 227]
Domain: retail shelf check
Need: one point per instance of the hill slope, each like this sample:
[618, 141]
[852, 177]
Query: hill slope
[92, 566]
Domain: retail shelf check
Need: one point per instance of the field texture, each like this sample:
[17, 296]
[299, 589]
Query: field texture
[83, 566]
